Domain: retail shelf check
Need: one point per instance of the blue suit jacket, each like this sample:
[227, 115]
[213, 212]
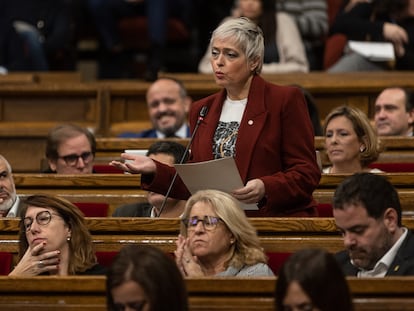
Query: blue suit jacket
[151, 133]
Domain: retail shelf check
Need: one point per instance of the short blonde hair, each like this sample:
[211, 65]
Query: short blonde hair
[246, 34]
[246, 249]
[363, 130]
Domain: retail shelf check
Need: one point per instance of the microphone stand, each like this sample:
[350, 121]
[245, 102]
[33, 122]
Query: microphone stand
[202, 114]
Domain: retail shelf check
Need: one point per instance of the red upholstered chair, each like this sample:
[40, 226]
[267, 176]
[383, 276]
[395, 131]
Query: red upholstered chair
[325, 210]
[93, 209]
[106, 169]
[105, 258]
[334, 45]
[6, 262]
[394, 167]
[276, 260]
[334, 49]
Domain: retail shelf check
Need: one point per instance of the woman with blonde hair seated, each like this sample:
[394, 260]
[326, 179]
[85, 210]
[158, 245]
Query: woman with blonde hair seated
[217, 239]
[351, 142]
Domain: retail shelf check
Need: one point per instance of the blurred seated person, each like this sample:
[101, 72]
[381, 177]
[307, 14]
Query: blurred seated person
[143, 277]
[284, 49]
[108, 13]
[311, 17]
[10, 203]
[70, 149]
[43, 26]
[168, 105]
[367, 211]
[377, 21]
[394, 112]
[54, 239]
[350, 141]
[217, 239]
[311, 280]
[167, 152]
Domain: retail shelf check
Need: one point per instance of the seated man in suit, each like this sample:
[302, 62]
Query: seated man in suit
[394, 112]
[168, 105]
[168, 152]
[367, 211]
[10, 204]
[70, 149]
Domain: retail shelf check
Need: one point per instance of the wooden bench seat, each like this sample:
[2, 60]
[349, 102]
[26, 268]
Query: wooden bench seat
[277, 235]
[88, 293]
[118, 189]
[114, 189]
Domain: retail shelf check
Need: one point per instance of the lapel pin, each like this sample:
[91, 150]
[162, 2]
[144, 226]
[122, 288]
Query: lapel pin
[250, 122]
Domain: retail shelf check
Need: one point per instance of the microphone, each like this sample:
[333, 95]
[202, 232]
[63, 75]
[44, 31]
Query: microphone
[201, 115]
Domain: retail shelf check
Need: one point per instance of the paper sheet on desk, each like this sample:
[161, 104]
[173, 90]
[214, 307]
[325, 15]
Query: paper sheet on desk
[375, 51]
[221, 174]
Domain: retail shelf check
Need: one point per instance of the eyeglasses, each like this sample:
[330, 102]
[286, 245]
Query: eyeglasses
[42, 218]
[135, 305]
[209, 222]
[72, 159]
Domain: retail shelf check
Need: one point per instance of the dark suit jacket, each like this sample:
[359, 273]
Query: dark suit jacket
[133, 210]
[152, 133]
[275, 143]
[403, 263]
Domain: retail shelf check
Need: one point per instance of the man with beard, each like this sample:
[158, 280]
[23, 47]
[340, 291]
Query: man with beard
[168, 105]
[394, 112]
[9, 201]
[367, 211]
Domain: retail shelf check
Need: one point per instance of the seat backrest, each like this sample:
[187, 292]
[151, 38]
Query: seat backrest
[6, 262]
[397, 167]
[276, 260]
[93, 209]
[106, 169]
[325, 210]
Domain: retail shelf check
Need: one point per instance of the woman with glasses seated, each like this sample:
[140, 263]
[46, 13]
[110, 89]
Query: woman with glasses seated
[54, 239]
[143, 277]
[216, 239]
[70, 149]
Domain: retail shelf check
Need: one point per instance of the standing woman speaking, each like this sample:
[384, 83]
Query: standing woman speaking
[265, 127]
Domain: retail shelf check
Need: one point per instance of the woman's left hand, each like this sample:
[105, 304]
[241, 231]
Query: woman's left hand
[253, 192]
[186, 262]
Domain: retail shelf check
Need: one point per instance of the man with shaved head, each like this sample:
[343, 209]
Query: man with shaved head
[9, 201]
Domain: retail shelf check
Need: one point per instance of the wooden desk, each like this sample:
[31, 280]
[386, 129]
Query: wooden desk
[88, 293]
[114, 189]
[276, 234]
[118, 189]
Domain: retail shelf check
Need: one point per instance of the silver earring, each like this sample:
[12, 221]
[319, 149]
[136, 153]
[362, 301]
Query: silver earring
[362, 149]
[68, 238]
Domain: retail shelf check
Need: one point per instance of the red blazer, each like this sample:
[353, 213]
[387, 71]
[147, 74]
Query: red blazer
[275, 143]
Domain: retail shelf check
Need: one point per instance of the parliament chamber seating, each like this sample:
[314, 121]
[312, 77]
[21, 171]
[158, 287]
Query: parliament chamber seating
[83, 293]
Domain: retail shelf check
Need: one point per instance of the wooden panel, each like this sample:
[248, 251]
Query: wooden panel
[88, 293]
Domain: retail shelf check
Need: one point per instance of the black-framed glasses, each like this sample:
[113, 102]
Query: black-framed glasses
[135, 305]
[42, 218]
[209, 222]
[72, 159]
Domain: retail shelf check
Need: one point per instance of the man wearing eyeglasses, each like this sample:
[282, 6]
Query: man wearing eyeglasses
[10, 204]
[70, 149]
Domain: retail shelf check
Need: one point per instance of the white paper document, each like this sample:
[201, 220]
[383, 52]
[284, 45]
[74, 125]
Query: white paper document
[221, 174]
[375, 51]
